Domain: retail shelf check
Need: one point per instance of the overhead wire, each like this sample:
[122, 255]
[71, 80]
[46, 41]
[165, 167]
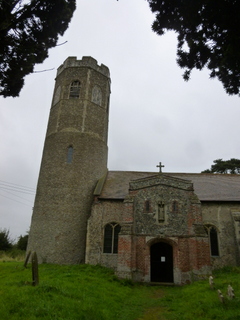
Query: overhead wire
[8, 186]
[16, 200]
[15, 195]
[16, 187]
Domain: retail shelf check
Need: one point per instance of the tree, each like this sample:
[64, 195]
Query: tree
[5, 241]
[22, 242]
[225, 166]
[208, 36]
[28, 29]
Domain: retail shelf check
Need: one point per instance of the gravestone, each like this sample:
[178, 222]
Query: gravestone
[220, 296]
[231, 292]
[35, 277]
[26, 260]
[211, 283]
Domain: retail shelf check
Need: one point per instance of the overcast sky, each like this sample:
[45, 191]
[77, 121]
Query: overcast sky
[154, 115]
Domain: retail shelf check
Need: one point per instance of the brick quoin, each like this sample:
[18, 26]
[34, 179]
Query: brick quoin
[124, 251]
[142, 253]
[183, 255]
[128, 212]
[203, 252]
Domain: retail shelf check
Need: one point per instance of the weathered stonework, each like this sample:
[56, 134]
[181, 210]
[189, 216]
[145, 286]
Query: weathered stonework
[182, 229]
[148, 227]
[221, 215]
[65, 190]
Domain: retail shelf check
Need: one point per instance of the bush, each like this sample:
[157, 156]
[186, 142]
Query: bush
[5, 241]
[22, 242]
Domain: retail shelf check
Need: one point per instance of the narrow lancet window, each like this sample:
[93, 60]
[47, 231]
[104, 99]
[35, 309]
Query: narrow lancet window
[70, 154]
[75, 89]
[111, 232]
[213, 240]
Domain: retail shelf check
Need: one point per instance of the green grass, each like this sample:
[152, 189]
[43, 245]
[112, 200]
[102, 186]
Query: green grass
[70, 292]
[12, 255]
[87, 292]
[197, 301]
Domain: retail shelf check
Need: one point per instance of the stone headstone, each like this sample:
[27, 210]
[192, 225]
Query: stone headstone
[27, 258]
[230, 292]
[35, 278]
[211, 282]
[220, 296]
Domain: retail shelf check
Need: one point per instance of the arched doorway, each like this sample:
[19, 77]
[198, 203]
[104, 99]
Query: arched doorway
[161, 262]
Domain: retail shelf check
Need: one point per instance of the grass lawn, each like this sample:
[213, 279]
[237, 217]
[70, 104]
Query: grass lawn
[197, 301]
[70, 292]
[87, 292]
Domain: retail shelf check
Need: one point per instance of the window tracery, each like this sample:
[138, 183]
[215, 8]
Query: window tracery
[111, 232]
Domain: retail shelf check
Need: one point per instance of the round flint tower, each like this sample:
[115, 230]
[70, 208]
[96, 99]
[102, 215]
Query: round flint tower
[74, 158]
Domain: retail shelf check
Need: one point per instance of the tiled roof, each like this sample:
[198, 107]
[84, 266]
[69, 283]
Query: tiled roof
[208, 187]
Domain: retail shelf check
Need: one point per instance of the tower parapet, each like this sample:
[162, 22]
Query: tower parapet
[85, 62]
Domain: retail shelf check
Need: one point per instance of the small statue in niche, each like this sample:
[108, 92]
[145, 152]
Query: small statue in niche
[160, 212]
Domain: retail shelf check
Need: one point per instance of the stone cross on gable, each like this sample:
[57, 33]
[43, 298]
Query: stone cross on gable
[160, 166]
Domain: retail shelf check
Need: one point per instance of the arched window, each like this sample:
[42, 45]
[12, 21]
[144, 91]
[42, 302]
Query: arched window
[213, 240]
[75, 89]
[111, 232]
[70, 154]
